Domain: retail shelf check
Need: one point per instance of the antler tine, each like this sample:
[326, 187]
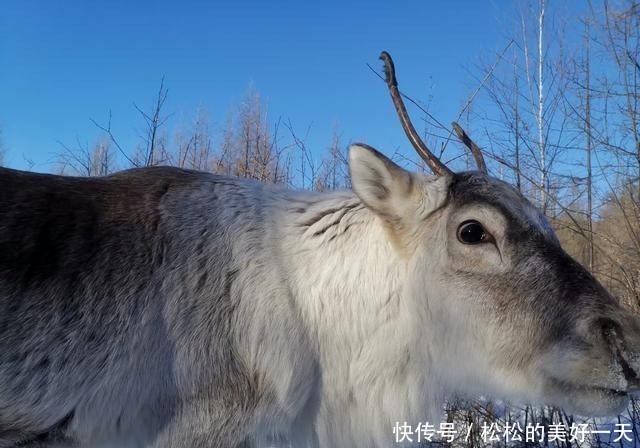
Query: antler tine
[421, 148]
[475, 149]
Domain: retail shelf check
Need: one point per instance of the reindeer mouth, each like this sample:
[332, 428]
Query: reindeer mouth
[571, 388]
[616, 344]
[585, 399]
[603, 396]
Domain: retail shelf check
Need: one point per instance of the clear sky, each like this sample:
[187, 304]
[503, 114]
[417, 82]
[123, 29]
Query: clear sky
[64, 62]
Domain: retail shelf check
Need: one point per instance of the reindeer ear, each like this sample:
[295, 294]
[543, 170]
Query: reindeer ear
[382, 185]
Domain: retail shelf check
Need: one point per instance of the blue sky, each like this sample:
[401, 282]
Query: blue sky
[62, 63]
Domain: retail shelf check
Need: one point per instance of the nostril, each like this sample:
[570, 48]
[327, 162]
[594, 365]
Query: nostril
[606, 326]
[612, 333]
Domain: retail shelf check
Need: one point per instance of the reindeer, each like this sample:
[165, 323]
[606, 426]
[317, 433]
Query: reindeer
[160, 307]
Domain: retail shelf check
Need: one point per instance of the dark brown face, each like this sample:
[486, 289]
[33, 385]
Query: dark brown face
[537, 325]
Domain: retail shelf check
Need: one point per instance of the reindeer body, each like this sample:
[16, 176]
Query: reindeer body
[163, 307]
[160, 307]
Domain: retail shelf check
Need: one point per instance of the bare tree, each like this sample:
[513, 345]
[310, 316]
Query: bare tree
[250, 143]
[333, 172]
[153, 150]
[194, 145]
[85, 160]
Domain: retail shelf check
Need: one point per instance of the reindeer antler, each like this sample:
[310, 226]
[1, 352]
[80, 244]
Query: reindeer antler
[475, 149]
[421, 148]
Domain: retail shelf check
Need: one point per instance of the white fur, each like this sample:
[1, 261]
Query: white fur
[376, 354]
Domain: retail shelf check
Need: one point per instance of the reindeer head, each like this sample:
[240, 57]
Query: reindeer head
[512, 315]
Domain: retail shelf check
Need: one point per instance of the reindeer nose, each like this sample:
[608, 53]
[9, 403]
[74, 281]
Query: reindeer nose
[607, 327]
[610, 331]
[612, 334]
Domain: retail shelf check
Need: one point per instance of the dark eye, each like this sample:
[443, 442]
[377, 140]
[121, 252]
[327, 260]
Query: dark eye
[472, 232]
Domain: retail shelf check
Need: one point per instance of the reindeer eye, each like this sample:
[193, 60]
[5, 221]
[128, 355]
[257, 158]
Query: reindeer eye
[471, 232]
